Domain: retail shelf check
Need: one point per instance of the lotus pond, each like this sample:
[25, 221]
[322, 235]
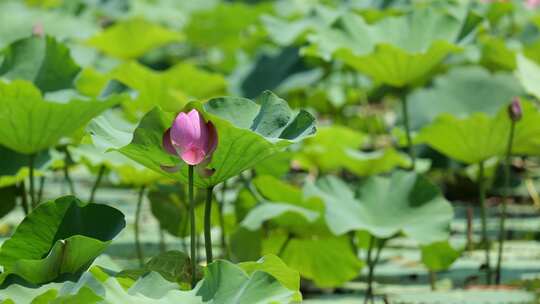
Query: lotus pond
[253, 152]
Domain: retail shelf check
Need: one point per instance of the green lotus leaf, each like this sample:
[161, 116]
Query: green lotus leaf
[287, 32]
[461, 92]
[470, 140]
[396, 67]
[398, 51]
[496, 55]
[174, 266]
[338, 147]
[104, 289]
[480, 137]
[404, 202]
[294, 212]
[375, 162]
[274, 266]
[330, 262]
[528, 73]
[276, 165]
[239, 29]
[248, 132]
[327, 149]
[60, 238]
[29, 124]
[150, 289]
[133, 38]
[225, 282]
[439, 255]
[169, 89]
[42, 60]
[268, 211]
[125, 171]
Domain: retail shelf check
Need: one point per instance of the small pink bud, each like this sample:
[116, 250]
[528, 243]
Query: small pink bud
[532, 4]
[191, 138]
[37, 30]
[514, 109]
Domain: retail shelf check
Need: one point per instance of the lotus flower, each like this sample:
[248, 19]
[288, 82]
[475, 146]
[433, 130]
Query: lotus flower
[514, 110]
[191, 139]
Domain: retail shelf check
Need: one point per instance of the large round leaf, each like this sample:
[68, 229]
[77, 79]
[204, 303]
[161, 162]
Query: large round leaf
[480, 136]
[267, 211]
[327, 149]
[439, 255]
[528, 72]
[29, 124]
[59, 238]
[461, 92]
[401, 203]
[42, 60]
[398, 51]
[273, 265]
[133, 38]
[169, 89]
[248, 132]
[225, 282]
[396, 67]
[328, 261]
[267, 281]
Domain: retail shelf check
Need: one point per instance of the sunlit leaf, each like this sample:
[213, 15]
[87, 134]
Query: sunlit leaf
[439, 256]
[273, 265]
[29, 124]
[528, 72]
[42, 60]
[461, 92]
[132, 38]
[170, 89]
[330, 262]
[226, 283]
[404, 202]
[398, 51]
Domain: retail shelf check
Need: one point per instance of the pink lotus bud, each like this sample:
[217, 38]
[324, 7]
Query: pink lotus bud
[532, 4]
[514, 110]
[191, 138]
[38, 30]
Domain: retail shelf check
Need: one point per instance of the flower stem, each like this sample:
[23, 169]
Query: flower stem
[470, 242]
[40, 189]
[284, 245]
[432, 280]
[192, 240]
[369, 290]
[67, 177]
[24, 199]
[96, 183]
[372, 263]
[483, 209]
[502, 232]
[252, 190]
[208, 225]
[224, 247]
[140, 253]
[31, 177]
[162, 243]
[405, 112]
